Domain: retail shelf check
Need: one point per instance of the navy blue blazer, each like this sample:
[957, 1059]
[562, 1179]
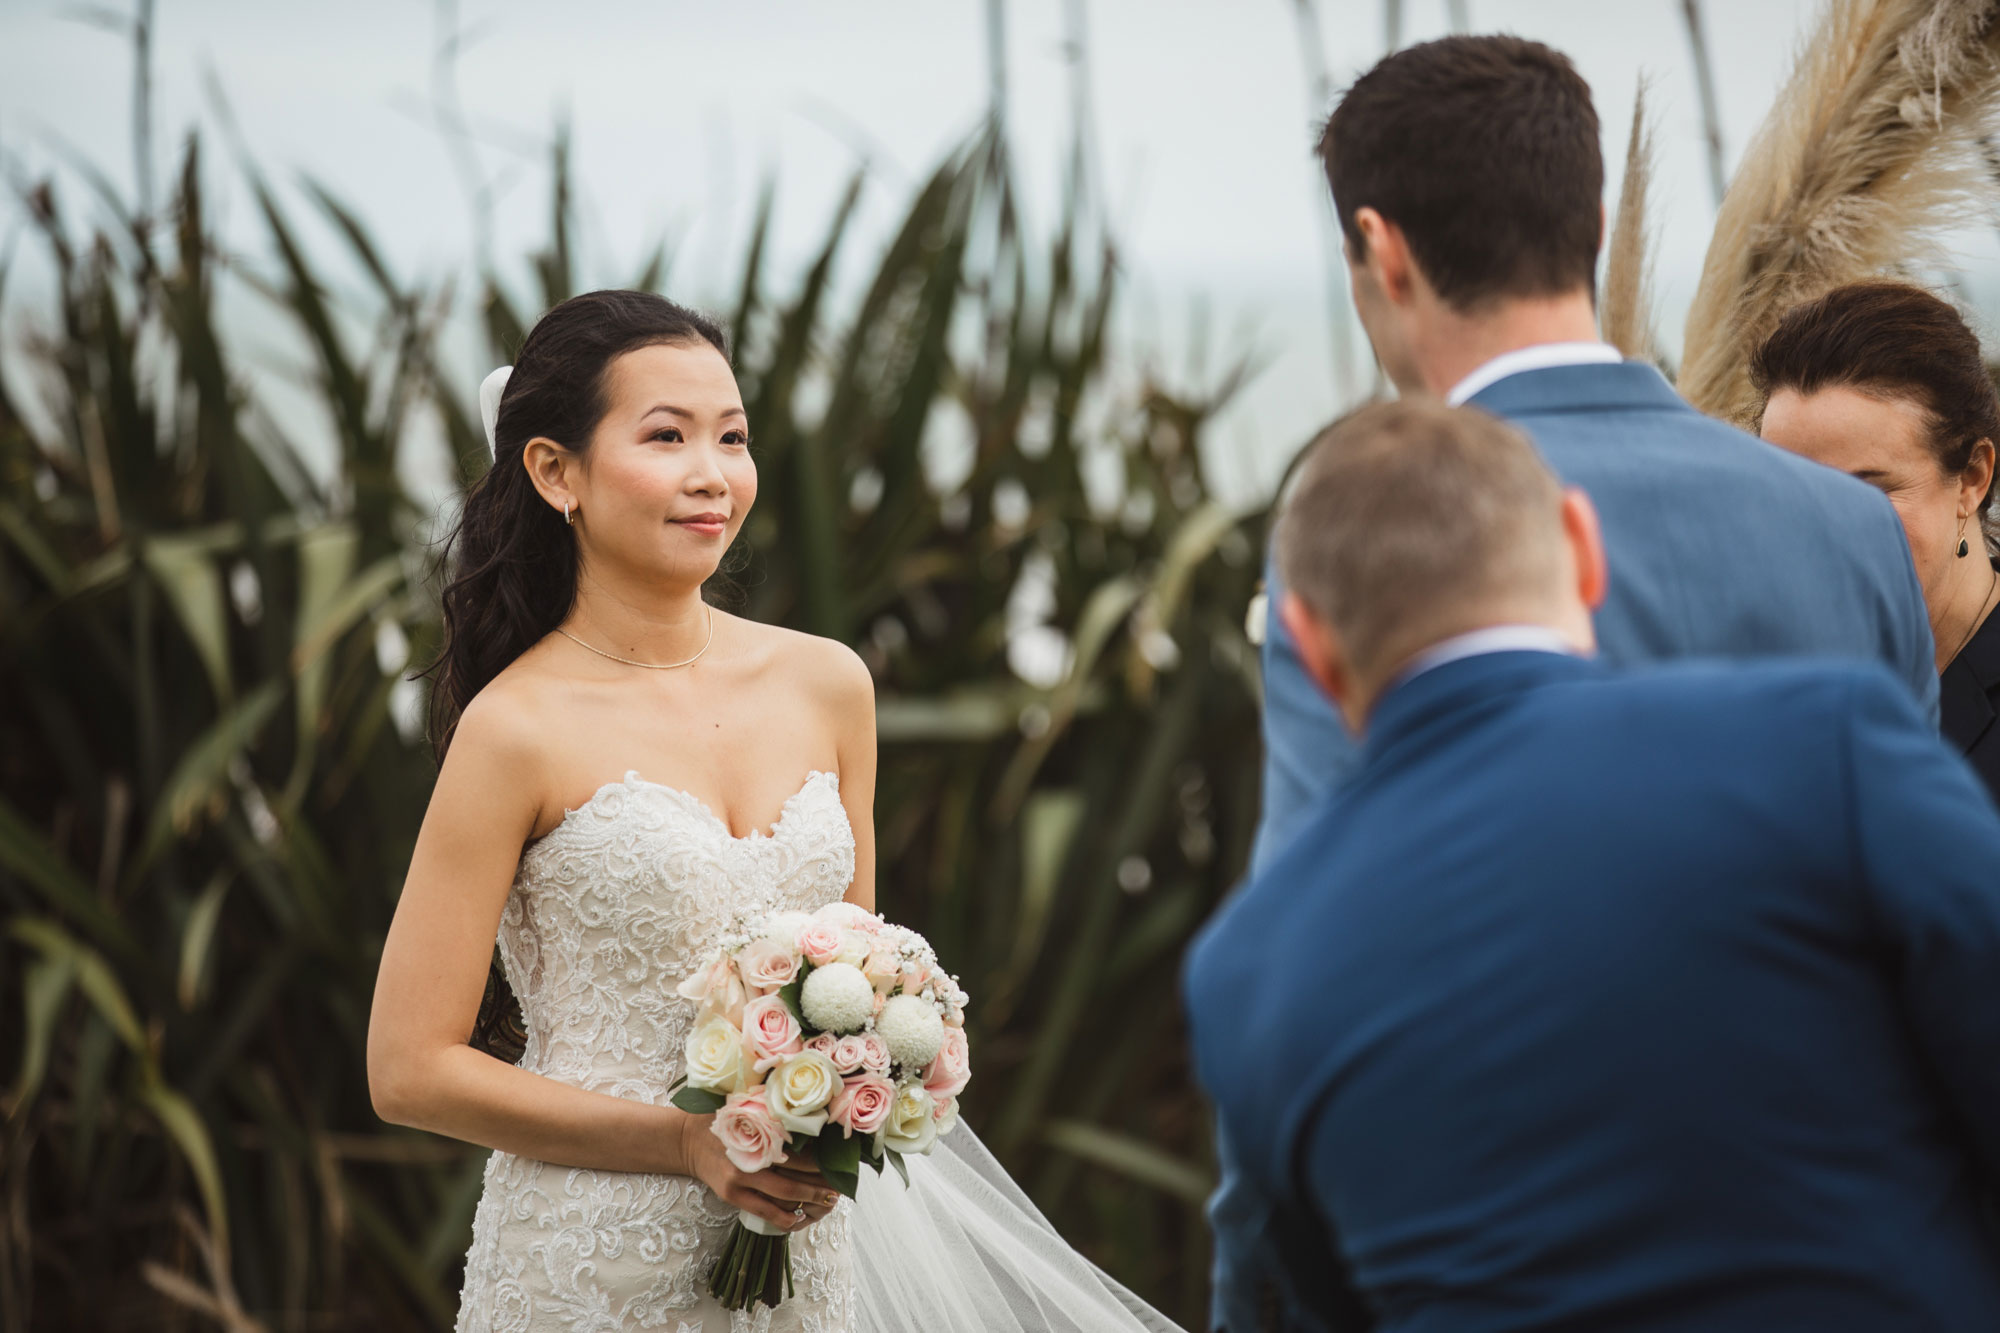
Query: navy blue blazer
[1658, 1000]
[1719, 545]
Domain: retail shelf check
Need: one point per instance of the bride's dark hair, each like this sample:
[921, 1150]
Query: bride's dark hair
[510, 561]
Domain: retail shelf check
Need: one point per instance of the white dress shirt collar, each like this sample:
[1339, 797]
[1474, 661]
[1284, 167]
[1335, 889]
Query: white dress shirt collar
[1492, 639]
[1543, 356]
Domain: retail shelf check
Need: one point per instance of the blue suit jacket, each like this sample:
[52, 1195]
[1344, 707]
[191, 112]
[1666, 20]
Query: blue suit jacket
[1658, 1000]
[1720, 545]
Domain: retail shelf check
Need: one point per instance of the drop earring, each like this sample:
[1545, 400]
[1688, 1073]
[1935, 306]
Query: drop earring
[1964, 547]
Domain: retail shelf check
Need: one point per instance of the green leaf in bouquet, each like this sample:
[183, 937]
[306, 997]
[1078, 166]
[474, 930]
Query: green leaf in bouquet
[790, 995]
[902, 1167]
[699, 1101]
[839, 1156]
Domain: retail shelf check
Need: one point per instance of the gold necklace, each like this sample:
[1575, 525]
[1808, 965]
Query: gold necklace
[650, 666]
[1977, 620]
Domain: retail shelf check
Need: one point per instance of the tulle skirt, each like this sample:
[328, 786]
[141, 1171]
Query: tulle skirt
[959, 1250]
[963, 1250]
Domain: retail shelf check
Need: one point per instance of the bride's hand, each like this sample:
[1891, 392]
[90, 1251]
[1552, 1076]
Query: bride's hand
[775, 1195]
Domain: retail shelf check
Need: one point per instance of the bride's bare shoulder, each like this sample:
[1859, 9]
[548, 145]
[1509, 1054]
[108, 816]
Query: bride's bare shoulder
[509, 719]
[824, 669]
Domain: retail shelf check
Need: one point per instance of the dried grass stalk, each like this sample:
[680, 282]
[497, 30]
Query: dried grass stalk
[1869, 156]
[1625, 310]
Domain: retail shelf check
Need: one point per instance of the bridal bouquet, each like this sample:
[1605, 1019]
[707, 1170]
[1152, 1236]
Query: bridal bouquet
[835, 1032]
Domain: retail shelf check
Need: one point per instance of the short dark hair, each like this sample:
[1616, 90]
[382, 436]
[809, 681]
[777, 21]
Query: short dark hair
[1890, 339]
[1410, 521]
[1485, 151]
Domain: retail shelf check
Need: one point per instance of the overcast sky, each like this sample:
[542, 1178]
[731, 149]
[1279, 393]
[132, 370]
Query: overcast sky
[681, 109]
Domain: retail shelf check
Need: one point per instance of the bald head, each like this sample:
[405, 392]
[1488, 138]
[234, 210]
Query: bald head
[1411, 522]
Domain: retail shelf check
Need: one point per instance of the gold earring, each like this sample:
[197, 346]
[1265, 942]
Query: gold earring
[569, 520]
[1964, 548]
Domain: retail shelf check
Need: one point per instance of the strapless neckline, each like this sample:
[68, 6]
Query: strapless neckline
[694, 804]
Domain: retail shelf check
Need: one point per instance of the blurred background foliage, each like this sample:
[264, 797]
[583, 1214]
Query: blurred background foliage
[212, 771]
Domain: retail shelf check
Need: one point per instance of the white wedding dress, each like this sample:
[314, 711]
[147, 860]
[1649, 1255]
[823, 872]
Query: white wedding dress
[607, 914]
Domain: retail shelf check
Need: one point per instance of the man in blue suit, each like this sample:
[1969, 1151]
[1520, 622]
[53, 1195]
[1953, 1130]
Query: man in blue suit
[1663, 999]
[1468, 180]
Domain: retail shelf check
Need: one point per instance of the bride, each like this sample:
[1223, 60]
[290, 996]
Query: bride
[625, 771]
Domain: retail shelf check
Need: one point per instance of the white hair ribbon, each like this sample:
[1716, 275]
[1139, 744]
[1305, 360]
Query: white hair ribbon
[490, 390]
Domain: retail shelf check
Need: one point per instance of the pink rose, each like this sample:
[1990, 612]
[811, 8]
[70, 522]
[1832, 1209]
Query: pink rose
[874, 1054]
[820, 942]
[850, 1055]
[884, 969]
[826, 1043]
[717, 986]
[770, 1031]
[767, 965]
[750, 1134]
[862, 1104]
[952, 1070]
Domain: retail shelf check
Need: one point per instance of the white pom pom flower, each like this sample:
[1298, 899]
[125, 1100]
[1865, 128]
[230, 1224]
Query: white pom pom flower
[848, 916]
[911, 1029]
[784, 927]
[837, 998]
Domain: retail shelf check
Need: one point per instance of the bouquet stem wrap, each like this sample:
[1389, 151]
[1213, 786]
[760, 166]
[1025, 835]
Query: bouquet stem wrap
[756, 1265]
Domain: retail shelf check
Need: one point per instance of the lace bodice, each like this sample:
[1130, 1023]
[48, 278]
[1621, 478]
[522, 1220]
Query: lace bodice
[608, 914]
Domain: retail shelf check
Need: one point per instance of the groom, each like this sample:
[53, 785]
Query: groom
[1657, 1000]
[1468, 180]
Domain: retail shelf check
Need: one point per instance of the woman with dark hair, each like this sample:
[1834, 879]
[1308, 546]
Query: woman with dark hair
[590, 707]
[626, 772]
[1886, 381]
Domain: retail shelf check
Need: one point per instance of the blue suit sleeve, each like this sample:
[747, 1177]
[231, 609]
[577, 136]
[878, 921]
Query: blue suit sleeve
[1268, 1275]
[1238, 1218]
[1928, 840]
[1307, 748]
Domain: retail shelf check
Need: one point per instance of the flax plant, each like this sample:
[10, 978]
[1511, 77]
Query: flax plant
[212, 771]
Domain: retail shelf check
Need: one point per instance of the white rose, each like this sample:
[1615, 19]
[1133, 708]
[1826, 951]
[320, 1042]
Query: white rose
[912, 1125]
[799, 1089]
[854, 948]
[715, 1057]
